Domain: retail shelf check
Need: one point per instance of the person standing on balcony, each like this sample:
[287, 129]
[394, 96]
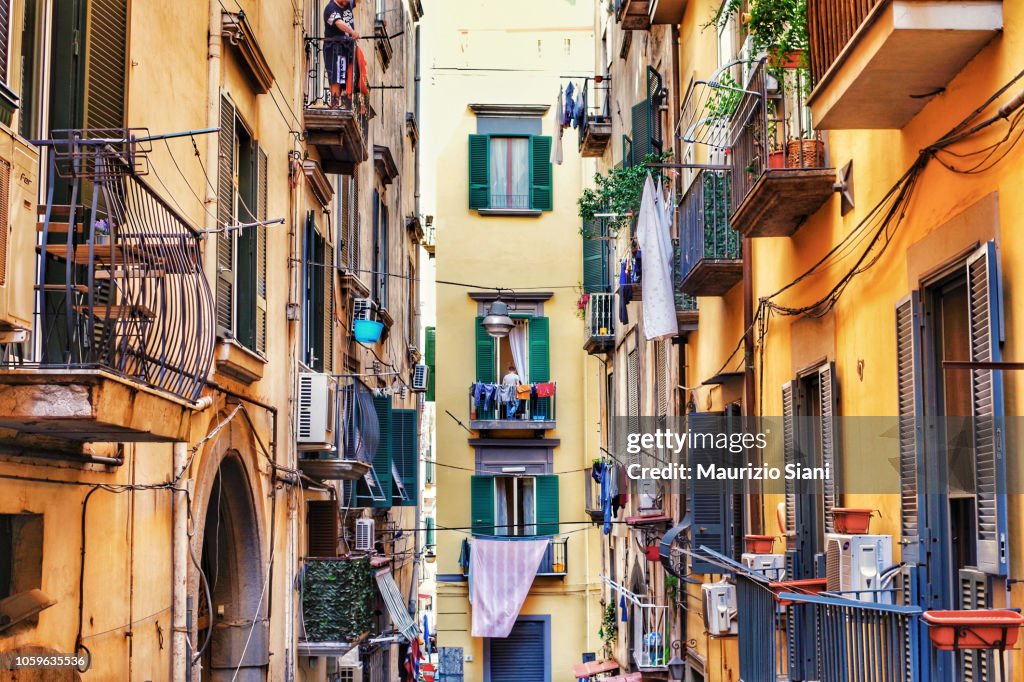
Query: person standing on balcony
[509, 383]
[339, 40]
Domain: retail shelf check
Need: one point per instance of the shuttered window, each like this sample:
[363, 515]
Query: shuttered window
[431, 533]
[226, 216]
[975, 664]
[429, 357]
[380, 495]
[318, 299]
[485, 360]
[381, 265]
[522, 656]
[262, 168]
[595, 257]
[348, 222]
[646, 119]
[405, 449]
[789, 457]
[514, 496]
[510, 173]
[106, 72]
[829, 443]
[710, 501]
[482, 504]
[910, 410]
[322, 528]
[547, 505]
[5, 41]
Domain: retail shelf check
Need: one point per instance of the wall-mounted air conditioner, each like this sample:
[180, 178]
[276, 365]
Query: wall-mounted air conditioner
[719, 608]
[362, 309]
[364, 535]
[19, 170]
[420, 374]
[314, 407]
[771, 566]
[856, 562]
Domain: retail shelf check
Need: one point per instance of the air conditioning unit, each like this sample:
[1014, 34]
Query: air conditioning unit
[315, 424]
[856, 562]
[19, 171]
[364, 535]
[420, 373]
[719, 608]
[362, 308]
[771, 566]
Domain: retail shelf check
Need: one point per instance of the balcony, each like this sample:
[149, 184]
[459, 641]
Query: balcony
[535, 414]
[779, 168]
[338, 130]
[648, 623]
[876, 63]
[337, 599]
[592, 497]
[633, 14]
[599, 324]
[687, 316]
[711, 250]
[555, 563]
[597, 128]
[124, 316]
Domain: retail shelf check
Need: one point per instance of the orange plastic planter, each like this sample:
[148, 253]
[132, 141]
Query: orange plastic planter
[804, 586]
[759, 544]
[851, 521]
[980, 629]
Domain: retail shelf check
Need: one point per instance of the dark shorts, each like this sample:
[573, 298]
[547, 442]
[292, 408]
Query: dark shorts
[336, 61]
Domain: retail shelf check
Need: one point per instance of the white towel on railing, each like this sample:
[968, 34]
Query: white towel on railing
[652, 232]
[500, 575]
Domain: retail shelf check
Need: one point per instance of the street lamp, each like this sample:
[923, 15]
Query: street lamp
[497, 323]
[676, 667]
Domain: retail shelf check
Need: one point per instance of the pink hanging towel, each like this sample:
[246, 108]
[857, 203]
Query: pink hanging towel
[500, 575]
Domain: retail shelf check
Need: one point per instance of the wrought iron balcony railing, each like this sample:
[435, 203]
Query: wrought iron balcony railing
[830, 26]
[599, 323]
[532, 413]
[711, 250]
[337, 125]
[120, 281]
[555, 562]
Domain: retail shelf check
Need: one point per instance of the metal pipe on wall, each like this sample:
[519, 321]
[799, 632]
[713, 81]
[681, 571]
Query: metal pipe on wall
[180, 654]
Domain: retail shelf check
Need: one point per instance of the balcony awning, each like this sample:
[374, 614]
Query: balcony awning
[500, 575]
[396, 605]
[595, 668]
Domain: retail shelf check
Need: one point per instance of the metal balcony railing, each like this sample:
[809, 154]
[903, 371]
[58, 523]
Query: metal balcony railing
[317, 91]
[502, 200]
[710, 248]
[120, 282]
[555, 562]
[830, 26]
[599, 319]
[534, 410]
[771, 129]
[649, 628]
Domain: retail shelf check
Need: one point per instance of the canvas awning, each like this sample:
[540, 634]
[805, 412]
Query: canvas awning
[594, 668]
[395, 603]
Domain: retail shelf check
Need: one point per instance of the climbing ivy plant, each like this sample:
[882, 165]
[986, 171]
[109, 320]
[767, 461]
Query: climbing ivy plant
[617, 192]
[336, 599]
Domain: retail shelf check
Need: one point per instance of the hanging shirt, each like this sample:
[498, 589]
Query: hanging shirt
[556, 148]
[570, 104]
[659, 302]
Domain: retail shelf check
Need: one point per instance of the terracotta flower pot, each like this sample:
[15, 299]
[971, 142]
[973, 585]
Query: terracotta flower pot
[777, 159]
[758, 544]
[975, 629]
[794, 59]
[851, 521]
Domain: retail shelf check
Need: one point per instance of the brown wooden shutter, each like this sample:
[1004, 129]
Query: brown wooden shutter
[106, 72]
[225, 217]
[789, 457]
[322, 528]
[829, 440]
[910, 409]
[5, 38]
[262, 167]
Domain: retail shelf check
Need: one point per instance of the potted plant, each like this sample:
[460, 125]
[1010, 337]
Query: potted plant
[617, 194]
[806, 151]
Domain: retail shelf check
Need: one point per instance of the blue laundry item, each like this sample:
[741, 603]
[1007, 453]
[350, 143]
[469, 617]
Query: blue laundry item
[606, 500]
[581, 111]
[637, 266]
[490, 391]
[622, 272]
[622, 608]
[570, 103]
[512, 406]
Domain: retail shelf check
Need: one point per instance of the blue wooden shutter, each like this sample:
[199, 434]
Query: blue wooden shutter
[381, 458]
[520, 657]
[406, 455]
[429, 357]
[482, 504]
[595, 257]
[479, 171]
[546, 495]
[910, 410]
[985, 306]
[541, 173]
[709, 501]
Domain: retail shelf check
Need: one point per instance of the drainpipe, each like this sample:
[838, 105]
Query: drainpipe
[749, 391]
[179, 567]
[212, 121]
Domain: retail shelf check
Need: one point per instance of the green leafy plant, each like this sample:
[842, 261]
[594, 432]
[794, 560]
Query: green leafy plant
[336, 599]
[671, 588]
[722, 101]
[609, 631]
[617, 192]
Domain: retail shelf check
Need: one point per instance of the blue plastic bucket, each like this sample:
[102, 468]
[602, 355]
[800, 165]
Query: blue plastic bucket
[368, 331]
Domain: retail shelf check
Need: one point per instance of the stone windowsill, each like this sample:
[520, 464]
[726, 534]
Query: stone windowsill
[238, 362]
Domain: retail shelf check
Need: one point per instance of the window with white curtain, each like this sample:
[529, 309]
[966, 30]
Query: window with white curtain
[510, 172]
[515, 506]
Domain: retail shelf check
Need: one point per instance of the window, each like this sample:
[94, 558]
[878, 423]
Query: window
[411, 304]
[526, 348]
[510, 173]
[348, 222]
[380, 249]
[514, 505]
[430, 539]
[241, 289]
[21, 553]
[405, 460]
[318, 299]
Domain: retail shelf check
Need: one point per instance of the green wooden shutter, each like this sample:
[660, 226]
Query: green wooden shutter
[430, 540]
[485, 370]
[429, 353]
[106, 62]
[482, 504]
[546, 495]
[595, 258]
[830, 443]
[406, 455]
[226, 216]
[985, 306]
[262, 167]
[641, 131]
[381, 458]
[910, 410]
[541, 172]
[539, 360]
[479, 171]
[710, 501]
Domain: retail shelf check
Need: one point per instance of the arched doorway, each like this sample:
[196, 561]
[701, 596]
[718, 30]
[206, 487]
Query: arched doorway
[232, 562]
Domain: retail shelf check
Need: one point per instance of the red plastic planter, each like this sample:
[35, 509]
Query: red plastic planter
[851, 521]
[803, 586]
[759, 544]
[980, 629]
